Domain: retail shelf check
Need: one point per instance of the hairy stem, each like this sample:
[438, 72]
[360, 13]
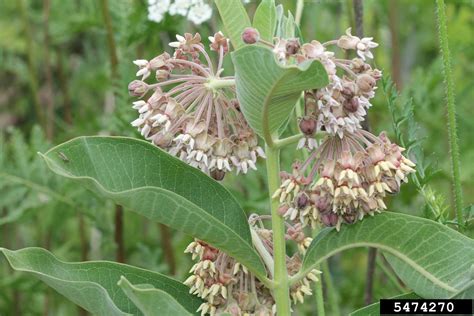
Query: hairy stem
[281, 289]
[451, 111]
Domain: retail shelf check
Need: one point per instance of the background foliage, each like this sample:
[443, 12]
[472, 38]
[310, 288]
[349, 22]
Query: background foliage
[64, 70]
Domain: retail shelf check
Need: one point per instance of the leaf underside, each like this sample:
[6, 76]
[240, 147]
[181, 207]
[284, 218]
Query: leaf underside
[93, 285]
[432, 259]
[145, 179]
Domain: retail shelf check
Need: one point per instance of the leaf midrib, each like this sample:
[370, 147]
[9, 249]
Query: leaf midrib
[60, 171]
[391, 250]
[15, 267]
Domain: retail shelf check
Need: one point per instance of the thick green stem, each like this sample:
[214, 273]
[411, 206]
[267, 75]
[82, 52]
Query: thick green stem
[281, 289]
[451, 111]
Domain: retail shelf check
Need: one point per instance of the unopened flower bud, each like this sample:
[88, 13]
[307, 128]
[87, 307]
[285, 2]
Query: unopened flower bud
[162, 74]
[292, 46]
[376, 74]
[308, 125]
[366, 83]
[348, 42]
[217, 174]
[351, 105]
[250, 35]
[322, 204]
[349, 218]
[283, 209]
[302, 201]
[159, 61]
[329, 219]
[137, 88]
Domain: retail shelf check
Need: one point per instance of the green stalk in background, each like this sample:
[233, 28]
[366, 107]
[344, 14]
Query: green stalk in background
[31, 63]
[451, 111]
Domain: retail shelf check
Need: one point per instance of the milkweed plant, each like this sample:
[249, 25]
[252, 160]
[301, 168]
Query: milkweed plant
[200, 122]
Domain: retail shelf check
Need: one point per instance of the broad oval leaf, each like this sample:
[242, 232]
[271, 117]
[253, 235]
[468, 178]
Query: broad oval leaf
[151, 301]
[374, 309]
[93, 285]
[235, 20]
[436, 259]
[268, 91]
[265, 19]
[145, 179]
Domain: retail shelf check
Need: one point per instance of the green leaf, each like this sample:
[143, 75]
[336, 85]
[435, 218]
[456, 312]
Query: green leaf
[268, 91]
[93, 285]
[432, 259]
[264, 19]
[151, 301]
[289, 31]
[280, 20]
[374, 309]
[142, 177]
[235, 20]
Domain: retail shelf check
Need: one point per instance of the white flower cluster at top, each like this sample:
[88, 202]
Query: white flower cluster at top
[196, 11]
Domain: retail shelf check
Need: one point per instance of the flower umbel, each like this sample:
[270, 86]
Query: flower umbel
[229, 287]
[349, 173]
[192, 111]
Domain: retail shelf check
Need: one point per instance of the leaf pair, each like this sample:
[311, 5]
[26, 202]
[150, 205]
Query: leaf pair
[431, 259]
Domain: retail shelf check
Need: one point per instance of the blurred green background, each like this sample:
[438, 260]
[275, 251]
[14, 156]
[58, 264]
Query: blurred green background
[64, 70]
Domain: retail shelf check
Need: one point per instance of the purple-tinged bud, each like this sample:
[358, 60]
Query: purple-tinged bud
[352, 105]
[137, 88]
[283, 209]
[322, 204]
[302, 201]
[293, 46]
[366, 83]
[329, 219]
[217, 175]
[308, 125]
[350, 218]
[250, 35]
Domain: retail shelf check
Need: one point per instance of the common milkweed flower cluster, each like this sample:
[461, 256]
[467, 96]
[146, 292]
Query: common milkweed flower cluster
[348, 174]
[229, 287]
[192, 111]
